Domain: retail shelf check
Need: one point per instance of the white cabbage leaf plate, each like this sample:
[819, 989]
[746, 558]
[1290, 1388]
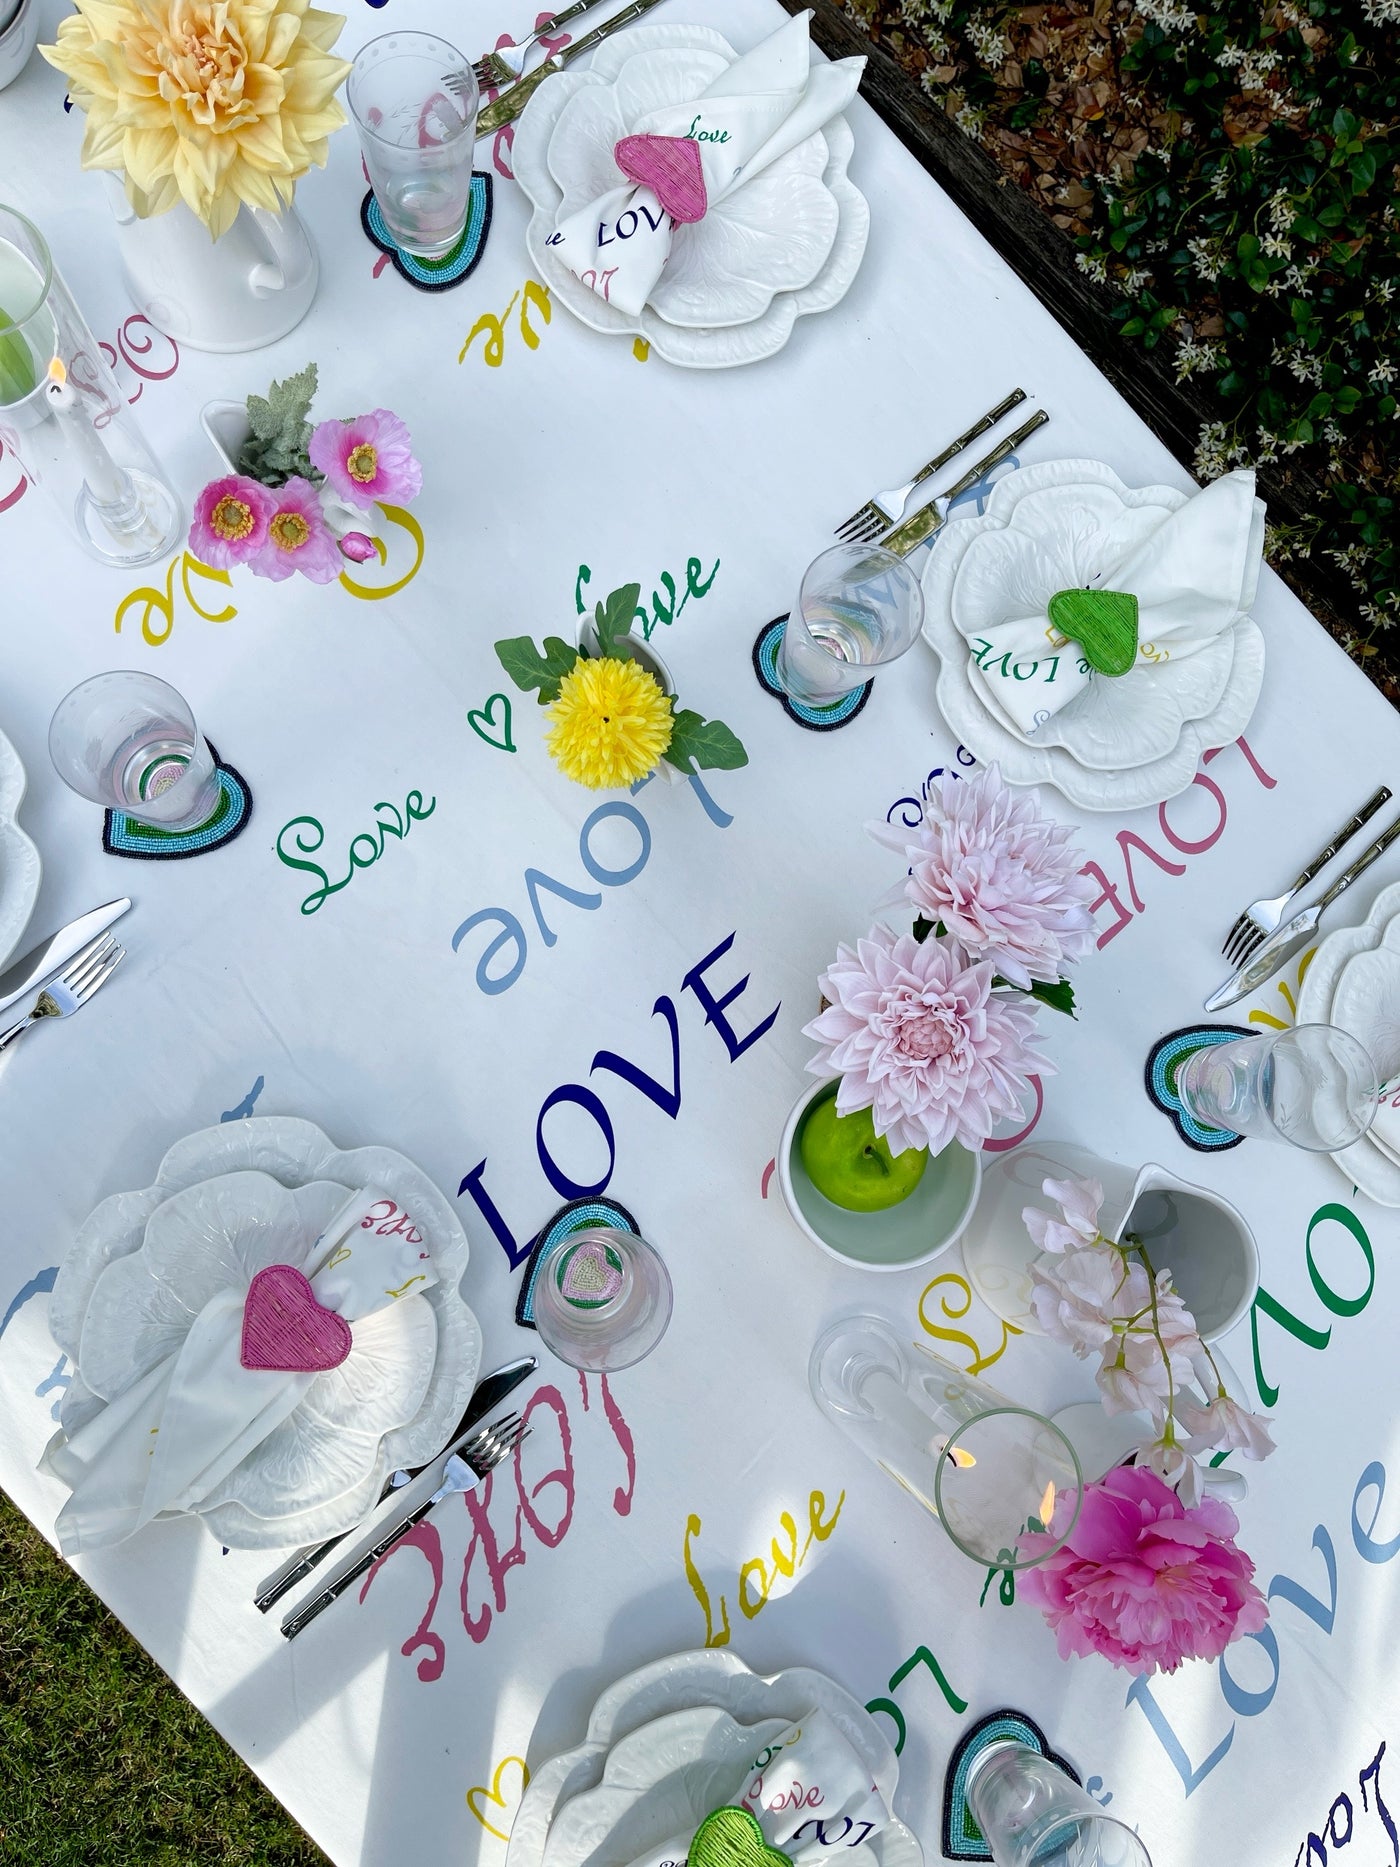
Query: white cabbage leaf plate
[20, 868]
[224, 1202]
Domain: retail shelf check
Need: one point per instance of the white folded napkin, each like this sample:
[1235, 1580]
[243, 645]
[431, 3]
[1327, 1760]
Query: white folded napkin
[810, 1792]
[181, 1428]
[1194, 576]
[1385, 1129]
[765, 104]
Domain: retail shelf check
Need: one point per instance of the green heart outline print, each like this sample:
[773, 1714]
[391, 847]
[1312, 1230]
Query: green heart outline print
[479, 718]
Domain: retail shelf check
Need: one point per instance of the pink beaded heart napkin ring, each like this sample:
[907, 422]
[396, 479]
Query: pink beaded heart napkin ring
[286, 1330]
[671, 167]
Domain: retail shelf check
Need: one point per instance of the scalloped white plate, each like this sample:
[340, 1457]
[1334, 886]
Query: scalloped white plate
[1364, 1164]
[1124, 743]
[735, 283]
[714, 1677]
[232, 1194]
[20, 868]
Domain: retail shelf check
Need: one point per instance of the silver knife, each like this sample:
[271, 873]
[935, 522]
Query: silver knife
[509, 104]
[488, 1394]
[1295, 934]
[50, 954]
[928, 519]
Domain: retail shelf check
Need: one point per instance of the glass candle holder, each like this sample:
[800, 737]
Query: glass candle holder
[64, 417]
[1033, 1815]
[860, 608]
[129, 742]
[986, 1468]
[414, 99]
[1314, 1086]
[602, 1298]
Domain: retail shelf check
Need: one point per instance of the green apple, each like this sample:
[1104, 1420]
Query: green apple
[851, 1165]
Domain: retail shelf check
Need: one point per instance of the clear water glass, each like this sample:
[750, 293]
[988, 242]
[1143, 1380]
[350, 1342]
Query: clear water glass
[602, 1299]
[983, 1466]
[129, 742]
[1034, 1815]
[859, 609]
[75, 437]
[418, 134]
[1314, 1085]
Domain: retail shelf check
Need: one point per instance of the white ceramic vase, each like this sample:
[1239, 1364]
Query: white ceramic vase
[244, 290]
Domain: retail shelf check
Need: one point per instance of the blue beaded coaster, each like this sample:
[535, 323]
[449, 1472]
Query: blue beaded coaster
[962, 1838]
[815, 719]
[436, 275]
[575, 1217]
[147, 842]
[1165, 1059]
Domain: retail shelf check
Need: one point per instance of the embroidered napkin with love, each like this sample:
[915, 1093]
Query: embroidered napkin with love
[805, 1793]
[765, 104]
[247, 1361]
[1045, 618]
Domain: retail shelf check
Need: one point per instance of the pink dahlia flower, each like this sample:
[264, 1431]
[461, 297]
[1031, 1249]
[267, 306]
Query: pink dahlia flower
[918, 1037]
[1142, 1578]
[368, 459]
[1003, 879]
[230, 522]
[298, 537]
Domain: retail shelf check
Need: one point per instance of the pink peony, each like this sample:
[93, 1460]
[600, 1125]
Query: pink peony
[230, 522]
[298, 537]
[368, 459]
[1003, 879]
[919, 1038]
[1142, 1578]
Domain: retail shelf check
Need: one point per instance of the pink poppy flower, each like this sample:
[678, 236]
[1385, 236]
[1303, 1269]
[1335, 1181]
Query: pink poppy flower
[368, 459]
[230, 522]
[1143, 1579]
[298, 537]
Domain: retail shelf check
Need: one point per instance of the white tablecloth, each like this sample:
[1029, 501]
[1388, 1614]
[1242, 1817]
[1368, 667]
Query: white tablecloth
[656, 1515]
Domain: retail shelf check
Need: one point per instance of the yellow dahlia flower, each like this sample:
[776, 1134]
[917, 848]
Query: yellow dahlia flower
[610, 724]
[213, 101]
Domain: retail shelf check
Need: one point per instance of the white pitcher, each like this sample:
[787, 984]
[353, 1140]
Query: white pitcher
[1199, 1236]
[247, 288]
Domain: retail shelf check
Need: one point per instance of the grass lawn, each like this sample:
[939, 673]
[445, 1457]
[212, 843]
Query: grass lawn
[103, 1763]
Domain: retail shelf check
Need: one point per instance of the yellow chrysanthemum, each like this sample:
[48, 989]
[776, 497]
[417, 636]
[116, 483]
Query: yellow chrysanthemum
[213, 101]
[610, 724]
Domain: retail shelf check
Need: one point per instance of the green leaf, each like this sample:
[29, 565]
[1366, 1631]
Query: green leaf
[706, 744]
[528, 668]
[613, 619]
[923, 927]
[1058, 994]
[17, 374]
[281, 431]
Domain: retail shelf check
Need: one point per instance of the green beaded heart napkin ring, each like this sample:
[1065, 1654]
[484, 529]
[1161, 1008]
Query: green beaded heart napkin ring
[1103, 622]
[732, 1838]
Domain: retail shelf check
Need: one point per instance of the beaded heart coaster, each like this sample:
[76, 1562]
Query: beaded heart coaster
[1165, 1059]
[147, 842]
[962, 1838]
[435, 275]
[590, 1278]
[816, 719]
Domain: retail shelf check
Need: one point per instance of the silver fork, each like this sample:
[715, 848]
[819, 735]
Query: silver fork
[72, 989]
[1261, 918]
[507, 62]
[886, 509]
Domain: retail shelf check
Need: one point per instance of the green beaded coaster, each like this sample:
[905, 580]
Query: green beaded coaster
[732, 1838]
[962, 1838]
[1103, 622]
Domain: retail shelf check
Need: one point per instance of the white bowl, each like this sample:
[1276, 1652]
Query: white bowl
[918, 1229]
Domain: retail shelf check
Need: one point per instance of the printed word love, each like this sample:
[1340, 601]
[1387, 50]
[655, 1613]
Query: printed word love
[1343, 1306]
[1017, 670]
[386, 1220]
[662, 611]
[919, 1657]
[161, 603]
[706, 136]
[136, 339]
[665, 1095]
[545, 1502]
[786, 1562]
[365, 849]
[1313, 1851]
[846, 1838]
[911, 808]
[493, 328]
[610, 875]
[963, 1340]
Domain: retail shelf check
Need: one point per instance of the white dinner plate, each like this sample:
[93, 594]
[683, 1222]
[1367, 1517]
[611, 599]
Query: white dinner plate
[20, 868]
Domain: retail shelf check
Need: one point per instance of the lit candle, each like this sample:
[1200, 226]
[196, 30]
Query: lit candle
[105, 481]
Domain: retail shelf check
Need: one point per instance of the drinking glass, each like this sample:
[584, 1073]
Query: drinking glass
[418, 134]
[64, 418]
[1313, 1085]
[602, 1298]
[129, 742]
[983, 1466]
[1033, 1815]
[859, 609]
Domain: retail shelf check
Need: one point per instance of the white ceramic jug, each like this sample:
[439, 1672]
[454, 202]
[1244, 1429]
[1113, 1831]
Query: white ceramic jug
[246, 289]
